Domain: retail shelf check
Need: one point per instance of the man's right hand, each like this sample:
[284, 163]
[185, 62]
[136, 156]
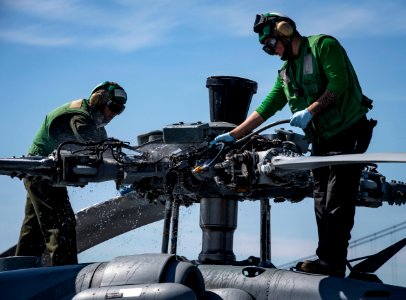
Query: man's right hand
[125, 189]
[225, 137]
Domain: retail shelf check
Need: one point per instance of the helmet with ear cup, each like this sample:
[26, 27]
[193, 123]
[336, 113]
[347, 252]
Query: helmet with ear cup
[273, 25]
[108, 93]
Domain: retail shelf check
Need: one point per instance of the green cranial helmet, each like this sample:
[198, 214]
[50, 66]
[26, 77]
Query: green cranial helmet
[111, 94]
[273, 25]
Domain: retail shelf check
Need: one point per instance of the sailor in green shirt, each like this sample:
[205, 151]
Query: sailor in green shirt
[49, 222]
[318, 82]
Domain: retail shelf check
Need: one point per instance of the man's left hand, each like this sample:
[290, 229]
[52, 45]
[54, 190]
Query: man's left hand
[301, 118]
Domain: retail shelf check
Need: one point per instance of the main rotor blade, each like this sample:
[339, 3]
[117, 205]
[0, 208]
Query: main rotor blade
[312, 162]
[113, 217]
[377, 260]
[108, 219]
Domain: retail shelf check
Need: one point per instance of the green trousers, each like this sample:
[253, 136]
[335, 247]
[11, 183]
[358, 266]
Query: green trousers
[49, 224]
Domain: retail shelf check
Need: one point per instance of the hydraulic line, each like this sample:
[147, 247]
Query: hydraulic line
[284, 121]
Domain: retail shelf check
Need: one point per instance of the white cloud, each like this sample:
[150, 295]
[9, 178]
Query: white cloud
[125, 27]
[349, 19]
[33, 35]
[130, 25]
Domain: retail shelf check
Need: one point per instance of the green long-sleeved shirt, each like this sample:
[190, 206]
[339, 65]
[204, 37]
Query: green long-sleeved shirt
[66, 123]
[333, 62]
[335, 74]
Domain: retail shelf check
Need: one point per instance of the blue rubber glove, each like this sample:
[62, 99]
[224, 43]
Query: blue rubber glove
[301, 118]
[225, 137]
[125, 189]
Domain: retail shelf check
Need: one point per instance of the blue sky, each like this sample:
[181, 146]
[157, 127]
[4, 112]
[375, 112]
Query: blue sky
[55, 51]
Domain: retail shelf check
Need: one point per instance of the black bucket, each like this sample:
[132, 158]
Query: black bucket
[230, 98]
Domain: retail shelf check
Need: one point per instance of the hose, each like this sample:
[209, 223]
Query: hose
[284, 121]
